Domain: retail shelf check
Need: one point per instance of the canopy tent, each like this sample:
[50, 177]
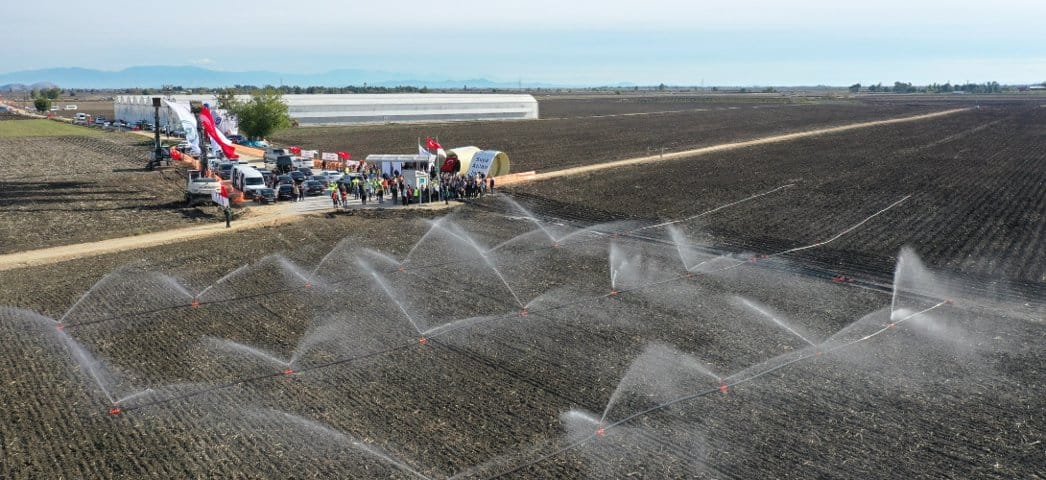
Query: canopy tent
[492, 163]
[391, 163]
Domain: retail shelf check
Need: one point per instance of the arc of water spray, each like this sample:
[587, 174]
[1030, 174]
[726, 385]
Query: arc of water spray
[701, 393]
[345, 438]
[392, 296]
[770, 316]
[486, 259]
[220, 280]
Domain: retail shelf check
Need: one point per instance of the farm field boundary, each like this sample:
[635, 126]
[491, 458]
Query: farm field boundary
[727, 146]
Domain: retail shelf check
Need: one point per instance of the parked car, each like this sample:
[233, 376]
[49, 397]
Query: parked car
[332, 175]
[265, 196]
[285, 191]
[284, 180]
[322, 179]
[312, 187]
[297, 176]
[306, 170]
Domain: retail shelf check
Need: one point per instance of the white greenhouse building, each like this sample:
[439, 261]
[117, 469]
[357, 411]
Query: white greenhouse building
[362, 108]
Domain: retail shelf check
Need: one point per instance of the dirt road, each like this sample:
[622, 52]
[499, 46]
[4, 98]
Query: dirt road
[289, 212]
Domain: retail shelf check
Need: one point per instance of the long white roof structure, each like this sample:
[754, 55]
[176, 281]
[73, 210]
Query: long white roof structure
[347, 109]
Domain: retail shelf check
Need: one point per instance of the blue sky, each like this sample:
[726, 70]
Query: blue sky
[582, 42]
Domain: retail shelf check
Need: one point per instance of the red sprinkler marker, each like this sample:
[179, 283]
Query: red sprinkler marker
[818, 353]
[288, 371]
[195, 303]
[59, 327]
[723, 387]
[891, 325]
[308, 284]
[613, 293]
[401, 269]
[523, 313]
[115, 411]
[601, 432]
[949, 301]
[555, 245]
[423, 340]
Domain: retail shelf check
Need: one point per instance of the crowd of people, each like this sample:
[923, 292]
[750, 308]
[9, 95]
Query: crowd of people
[372, 185]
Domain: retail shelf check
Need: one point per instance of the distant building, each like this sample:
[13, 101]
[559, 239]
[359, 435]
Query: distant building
[352, 109]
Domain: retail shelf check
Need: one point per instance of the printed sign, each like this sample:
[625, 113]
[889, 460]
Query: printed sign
[327, 156]
[481, 162]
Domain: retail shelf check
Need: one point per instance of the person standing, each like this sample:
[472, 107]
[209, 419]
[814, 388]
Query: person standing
[228, 217]
[295, 191]
[491, 185]
[344, 197]
[334, 197]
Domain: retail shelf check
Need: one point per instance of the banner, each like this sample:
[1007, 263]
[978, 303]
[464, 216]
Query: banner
[188, 122]
[329, 156]
[481, 162]
[208, 126]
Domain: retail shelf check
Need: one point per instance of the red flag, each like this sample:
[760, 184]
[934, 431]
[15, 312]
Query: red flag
[296, 150]
[344, 155]
[224, 191]
[432, 144]
[208, 125]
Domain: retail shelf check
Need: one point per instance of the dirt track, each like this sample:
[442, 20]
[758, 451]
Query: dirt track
[287, 214]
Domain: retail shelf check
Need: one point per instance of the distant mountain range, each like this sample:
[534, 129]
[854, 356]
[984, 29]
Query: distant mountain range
[189, 77]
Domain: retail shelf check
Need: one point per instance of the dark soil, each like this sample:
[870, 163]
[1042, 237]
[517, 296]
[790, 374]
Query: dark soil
[955, 393]
[551, 144]
[63, 190]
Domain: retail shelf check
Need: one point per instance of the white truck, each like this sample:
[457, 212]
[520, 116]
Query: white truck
[200, 188]
[247, 179]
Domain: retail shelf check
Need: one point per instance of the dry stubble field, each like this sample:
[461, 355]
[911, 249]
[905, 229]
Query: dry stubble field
[955, 391]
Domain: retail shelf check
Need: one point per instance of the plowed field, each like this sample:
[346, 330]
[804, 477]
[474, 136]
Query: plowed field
[744, 314]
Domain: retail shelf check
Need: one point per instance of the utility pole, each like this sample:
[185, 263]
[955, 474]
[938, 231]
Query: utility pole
[158, 152]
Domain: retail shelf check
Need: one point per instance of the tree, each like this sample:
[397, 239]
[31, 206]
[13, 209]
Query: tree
[661, 87]
[855, 88]
[51, 93]
[259, 117]
[42, 104]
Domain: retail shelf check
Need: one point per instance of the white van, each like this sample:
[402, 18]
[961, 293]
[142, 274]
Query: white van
[247, 179]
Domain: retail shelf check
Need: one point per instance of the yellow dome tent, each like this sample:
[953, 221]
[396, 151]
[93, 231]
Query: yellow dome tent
[492, 163]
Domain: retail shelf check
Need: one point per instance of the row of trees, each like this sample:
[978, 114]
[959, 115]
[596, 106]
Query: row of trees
[902, 87]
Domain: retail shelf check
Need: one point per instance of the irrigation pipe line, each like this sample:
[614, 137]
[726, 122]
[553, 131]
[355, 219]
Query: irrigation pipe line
[724, 386]
[404, 268]
[434, 334]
